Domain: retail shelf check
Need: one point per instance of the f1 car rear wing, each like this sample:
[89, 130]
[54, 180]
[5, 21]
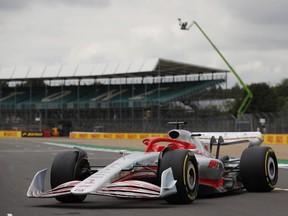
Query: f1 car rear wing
[204, 140]
[253, 138]
[231, 138]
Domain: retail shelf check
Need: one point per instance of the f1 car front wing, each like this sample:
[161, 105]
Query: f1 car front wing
[124, 189]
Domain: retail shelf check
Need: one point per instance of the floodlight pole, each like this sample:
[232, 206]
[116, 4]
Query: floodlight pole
[241, 110]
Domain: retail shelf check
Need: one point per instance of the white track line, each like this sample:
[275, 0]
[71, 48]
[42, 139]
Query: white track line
[281, 189]
[285, 166]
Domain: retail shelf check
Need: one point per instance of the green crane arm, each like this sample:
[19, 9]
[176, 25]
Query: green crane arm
[243, 107]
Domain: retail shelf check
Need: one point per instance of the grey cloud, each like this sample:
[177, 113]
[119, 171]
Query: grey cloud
[12, 4]
[258, 11]
[99, 3]
[251, 34]
[20, 4]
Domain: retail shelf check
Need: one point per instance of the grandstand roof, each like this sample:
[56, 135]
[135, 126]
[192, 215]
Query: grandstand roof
[128, 68]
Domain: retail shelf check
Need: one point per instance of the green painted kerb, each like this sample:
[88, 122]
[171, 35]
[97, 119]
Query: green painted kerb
[283, 161]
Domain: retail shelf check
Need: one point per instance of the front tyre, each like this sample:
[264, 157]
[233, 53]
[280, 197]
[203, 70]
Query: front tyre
[185, 171]
[259, 169]
[69, 166]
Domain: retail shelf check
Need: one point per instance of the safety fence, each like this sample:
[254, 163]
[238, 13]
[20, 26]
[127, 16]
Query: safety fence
[154, 121]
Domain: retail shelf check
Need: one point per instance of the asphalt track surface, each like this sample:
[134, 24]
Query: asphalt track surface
[21, 159]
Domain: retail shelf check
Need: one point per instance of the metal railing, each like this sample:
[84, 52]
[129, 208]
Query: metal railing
[146, 120]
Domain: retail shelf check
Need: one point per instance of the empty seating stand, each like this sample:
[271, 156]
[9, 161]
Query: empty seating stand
[102, 96]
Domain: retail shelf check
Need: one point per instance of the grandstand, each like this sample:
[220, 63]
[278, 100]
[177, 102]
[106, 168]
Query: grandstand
[135, 96]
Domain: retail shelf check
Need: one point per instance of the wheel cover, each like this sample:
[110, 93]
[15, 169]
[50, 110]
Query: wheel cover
[191, 176]
[271, 168]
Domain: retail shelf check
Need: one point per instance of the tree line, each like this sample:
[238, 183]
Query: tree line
[266, 98]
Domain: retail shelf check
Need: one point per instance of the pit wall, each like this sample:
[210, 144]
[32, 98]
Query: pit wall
[268, 138]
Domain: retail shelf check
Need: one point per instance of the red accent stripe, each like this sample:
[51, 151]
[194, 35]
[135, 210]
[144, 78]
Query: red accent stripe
[211, 182]
[152, 145]
[137, 185]
[135, 175]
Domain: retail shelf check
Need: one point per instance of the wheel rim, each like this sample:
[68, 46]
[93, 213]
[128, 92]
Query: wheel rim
[191, 176]
[271, 168]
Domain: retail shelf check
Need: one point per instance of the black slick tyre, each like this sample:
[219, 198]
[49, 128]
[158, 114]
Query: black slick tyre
[185, 171]
[69, 166]
[259, 169]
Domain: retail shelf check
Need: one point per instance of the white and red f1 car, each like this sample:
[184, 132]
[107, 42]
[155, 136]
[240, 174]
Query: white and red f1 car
[176, 169]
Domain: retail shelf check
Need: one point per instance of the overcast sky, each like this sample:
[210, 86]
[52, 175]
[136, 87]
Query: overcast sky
[252, 35]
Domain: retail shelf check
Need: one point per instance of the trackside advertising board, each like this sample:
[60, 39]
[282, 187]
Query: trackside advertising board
[18, 134]
[268, 138]
[32, 134]
[10, 134]
[44, 133]
[275, 139]
[83, 135]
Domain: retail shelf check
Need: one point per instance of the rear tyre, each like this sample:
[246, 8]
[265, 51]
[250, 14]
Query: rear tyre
[69, 166]
[185, 171]
[259, 169]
